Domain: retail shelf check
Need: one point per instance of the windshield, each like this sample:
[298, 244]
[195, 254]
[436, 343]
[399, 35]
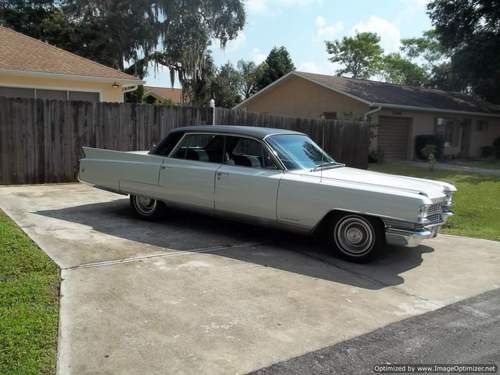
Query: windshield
[298, 151]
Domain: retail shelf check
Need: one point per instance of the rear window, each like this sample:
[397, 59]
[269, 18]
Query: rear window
[201, 147]
[166, 146]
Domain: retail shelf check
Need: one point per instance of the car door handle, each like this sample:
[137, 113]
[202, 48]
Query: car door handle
[220, 174]
[163, 167]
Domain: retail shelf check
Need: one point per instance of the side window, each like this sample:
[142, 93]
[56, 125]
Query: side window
[245, 152]
[165, 147]
[201, 147]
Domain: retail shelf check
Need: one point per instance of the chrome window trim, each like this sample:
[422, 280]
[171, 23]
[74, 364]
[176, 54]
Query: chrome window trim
[279, 164]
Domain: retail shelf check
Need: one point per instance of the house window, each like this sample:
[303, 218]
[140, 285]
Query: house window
[348, 115]
[51, 94]
[17, 92]
[32, 93]
[84, 96]
[449, 129]
[329, 115]
[482, 125]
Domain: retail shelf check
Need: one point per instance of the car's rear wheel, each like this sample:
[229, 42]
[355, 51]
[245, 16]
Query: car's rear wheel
[147, 208]
[356, 238]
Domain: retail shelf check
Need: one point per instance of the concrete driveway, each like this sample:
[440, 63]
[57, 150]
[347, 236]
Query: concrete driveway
[194, 294]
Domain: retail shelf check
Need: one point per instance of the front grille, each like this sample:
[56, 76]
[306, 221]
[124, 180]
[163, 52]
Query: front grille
[434, 219]
[435, 208]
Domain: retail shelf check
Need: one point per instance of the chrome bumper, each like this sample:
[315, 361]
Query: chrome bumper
[409, 238]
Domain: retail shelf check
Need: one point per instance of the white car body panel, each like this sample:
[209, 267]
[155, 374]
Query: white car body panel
[297, 199]
[247, 191]
[188, 182]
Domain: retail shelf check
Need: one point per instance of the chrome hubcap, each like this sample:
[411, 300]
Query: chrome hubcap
[354, 235]
[145, 205]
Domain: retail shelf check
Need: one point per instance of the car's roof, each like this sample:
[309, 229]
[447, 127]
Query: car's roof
[252, 131]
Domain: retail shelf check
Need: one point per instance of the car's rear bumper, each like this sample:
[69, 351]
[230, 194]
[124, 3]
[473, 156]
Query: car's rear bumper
[409, 238]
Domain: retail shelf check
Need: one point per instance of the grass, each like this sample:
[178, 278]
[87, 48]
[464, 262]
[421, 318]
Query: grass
[476, 203]
[486, 164]
[29, 304]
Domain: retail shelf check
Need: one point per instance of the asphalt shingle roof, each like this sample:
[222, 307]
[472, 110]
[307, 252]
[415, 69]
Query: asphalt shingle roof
[165, 92]
[386, 93]
[19, 52]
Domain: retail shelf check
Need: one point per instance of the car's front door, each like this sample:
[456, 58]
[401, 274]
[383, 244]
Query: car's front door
[187, 176]
[247, 183]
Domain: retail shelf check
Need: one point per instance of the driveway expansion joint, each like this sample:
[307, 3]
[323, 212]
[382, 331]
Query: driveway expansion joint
[199, 250]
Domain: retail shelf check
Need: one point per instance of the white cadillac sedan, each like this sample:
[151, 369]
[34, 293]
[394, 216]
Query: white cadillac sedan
[273, 176]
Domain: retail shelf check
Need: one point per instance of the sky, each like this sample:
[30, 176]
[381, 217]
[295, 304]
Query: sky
[302, 26]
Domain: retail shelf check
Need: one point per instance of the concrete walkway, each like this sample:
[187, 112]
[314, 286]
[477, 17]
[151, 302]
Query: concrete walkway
[449, 167]
[194, 294]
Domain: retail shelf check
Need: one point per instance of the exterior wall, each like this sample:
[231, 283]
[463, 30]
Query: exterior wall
[424, 123]
[107, 92]
[485, 137]
[297, 97]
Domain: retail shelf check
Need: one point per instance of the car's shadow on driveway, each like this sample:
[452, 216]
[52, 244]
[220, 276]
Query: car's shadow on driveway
[187, 231]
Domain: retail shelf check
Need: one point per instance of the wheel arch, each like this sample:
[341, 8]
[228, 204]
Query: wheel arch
[320, 228]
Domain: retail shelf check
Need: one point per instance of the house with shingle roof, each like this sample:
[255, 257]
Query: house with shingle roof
[399, 113]
[30, 68]
[157, 94]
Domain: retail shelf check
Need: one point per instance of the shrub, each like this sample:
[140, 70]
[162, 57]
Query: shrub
[421, 141]
[376, 156]
[487, 151]
[429, 151]
[496, 147]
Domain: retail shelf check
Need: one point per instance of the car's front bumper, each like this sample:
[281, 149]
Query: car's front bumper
[411, 238]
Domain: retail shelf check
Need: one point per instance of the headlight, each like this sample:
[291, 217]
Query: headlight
[449, 198]
[423, 211]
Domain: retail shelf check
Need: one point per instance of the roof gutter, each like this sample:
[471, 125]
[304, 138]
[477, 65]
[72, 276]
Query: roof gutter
[371, 112]
[432, 109]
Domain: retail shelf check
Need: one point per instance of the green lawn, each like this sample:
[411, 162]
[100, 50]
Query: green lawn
[476, 204]
[486, 164]
[29, 304]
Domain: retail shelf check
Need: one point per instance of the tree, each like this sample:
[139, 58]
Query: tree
[360, 56]
[427, 48]
[188, 29]
[399, 70]
[40, 19]
[226, 86]
[249, 73]
[470, 31]
[175, 33]
[277, 64]
[197, 90]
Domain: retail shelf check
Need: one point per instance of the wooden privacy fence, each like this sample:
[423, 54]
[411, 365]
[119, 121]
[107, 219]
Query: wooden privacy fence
[41, 140]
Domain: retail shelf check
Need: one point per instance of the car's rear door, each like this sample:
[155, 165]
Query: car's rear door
[247, 183]
[187, 175]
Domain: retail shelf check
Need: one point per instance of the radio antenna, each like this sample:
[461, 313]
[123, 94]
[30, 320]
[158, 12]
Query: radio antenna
[322, 151]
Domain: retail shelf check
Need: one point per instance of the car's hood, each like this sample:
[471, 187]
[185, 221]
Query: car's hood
[430, 188]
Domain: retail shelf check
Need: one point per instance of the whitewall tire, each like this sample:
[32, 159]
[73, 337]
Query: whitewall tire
[356, 237]
[147, 208]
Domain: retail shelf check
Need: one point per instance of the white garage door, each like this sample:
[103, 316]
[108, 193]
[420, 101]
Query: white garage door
[393, 136]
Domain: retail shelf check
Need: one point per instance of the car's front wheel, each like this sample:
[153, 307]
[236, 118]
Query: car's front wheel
[147, 208]
[356, 238]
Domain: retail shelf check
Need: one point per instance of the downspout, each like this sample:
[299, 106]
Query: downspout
[130, 88]
[371, 112]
